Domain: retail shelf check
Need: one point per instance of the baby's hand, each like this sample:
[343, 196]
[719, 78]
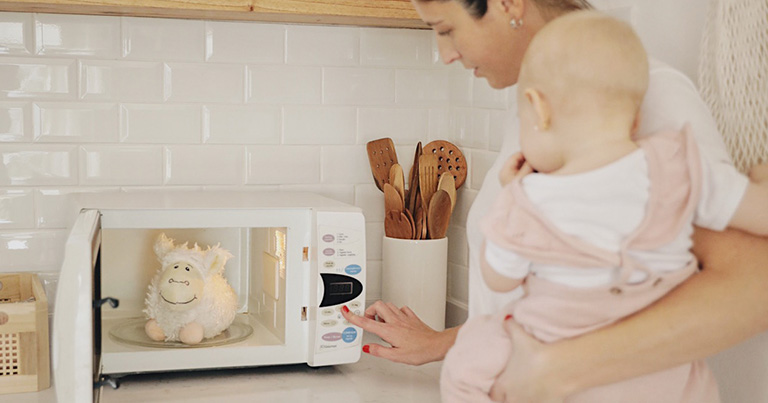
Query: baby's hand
[516, 166]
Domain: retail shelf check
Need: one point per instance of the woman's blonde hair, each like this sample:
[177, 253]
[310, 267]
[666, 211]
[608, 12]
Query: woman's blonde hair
[551, 8]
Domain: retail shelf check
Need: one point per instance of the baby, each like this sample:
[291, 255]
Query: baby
[594, 224]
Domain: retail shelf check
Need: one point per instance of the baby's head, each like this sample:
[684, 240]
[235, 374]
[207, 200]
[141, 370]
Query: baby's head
[584, 68]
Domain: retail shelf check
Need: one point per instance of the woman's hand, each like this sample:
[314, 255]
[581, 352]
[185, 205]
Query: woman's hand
[411, 340]
[515, 167]
[524, 380]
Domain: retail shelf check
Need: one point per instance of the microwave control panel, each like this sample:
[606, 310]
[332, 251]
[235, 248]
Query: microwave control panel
[341, 281]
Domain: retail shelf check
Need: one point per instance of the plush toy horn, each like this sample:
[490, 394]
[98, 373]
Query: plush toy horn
[163, 245]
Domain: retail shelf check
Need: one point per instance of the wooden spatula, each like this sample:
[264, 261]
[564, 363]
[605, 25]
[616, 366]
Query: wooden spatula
[396, 225]
[413, 181]
[427, 178]
[439, 214]
[381, 157]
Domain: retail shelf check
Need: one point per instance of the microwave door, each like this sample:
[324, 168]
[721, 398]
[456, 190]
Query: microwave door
[75, 343]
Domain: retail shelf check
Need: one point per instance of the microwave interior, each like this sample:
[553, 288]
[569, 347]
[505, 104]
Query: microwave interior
[257, 272]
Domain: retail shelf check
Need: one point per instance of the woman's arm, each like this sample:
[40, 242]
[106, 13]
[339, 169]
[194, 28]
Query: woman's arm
[723, 305]
[411, 340]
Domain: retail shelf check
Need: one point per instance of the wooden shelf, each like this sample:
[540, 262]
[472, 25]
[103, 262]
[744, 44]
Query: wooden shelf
[378, 13]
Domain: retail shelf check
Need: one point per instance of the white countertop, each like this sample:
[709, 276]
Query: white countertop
[370, 380]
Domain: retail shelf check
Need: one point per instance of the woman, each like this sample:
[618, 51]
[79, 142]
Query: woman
[694, 321]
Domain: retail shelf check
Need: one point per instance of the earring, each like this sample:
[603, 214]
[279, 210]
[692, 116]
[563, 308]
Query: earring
[516, 23]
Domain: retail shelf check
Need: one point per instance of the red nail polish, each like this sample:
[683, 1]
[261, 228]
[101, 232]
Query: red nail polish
[344, 308]
[508, 317]
[367, 349]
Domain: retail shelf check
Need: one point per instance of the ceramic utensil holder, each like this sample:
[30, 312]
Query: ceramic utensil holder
[415, 273]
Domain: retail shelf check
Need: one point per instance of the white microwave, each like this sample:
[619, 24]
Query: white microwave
[297, 259]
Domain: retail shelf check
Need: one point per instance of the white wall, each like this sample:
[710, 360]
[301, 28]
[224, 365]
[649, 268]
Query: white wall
[111, 104]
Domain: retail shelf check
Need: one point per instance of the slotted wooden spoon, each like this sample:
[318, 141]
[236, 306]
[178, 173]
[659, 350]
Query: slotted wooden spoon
[449, 159]
[381, 157]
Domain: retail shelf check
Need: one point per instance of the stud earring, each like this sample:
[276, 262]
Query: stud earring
[516, 23]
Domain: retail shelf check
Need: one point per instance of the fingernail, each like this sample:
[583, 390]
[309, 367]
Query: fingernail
[367, 349]
[344, 308]
[508, 317]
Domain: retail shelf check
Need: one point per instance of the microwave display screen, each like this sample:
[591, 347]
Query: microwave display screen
[340, 288]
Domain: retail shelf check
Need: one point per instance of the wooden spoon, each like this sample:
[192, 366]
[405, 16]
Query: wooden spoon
[392, 199]
[396, 225]
[397, 180]
[409, 216]
[439, 214]
[413, 181]
[448, 184]
[420, 221]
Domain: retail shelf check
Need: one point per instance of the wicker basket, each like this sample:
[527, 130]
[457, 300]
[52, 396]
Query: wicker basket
[24, 357]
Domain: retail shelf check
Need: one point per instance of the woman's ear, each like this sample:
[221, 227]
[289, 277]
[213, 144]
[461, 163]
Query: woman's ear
[541, 107]
[513, 9]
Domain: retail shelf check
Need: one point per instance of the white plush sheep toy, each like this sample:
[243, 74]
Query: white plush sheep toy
[189, 299]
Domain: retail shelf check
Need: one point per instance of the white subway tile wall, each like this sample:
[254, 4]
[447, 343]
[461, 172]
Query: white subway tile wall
[122, 104]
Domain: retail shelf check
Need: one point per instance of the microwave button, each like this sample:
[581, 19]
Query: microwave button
[327, 312]
[329, 264]
[333, 336]
[329, 251]
[354, 305]
[353, 269]
[349, 335]
[328, 323]
[328, 238]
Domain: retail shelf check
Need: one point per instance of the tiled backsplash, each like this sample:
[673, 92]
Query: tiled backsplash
[122, 104]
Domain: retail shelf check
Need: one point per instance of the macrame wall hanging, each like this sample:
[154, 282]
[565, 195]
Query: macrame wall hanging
[733, 76]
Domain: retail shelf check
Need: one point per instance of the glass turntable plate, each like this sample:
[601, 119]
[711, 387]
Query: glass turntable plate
[131, 331]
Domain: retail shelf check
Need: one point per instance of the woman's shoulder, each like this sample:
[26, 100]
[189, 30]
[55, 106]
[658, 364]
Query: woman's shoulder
[662, 75]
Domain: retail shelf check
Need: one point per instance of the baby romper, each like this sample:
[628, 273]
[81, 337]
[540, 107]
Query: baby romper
[551, 311]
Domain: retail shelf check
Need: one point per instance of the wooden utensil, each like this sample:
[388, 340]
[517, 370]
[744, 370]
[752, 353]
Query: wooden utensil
[427, 178]
[449, 159]
[397, 180]
[421, 224]
[409, 216]
[381, 157]
[396, 225]
[392, 199]
[439, 214]
[413, 181]
[449, 185]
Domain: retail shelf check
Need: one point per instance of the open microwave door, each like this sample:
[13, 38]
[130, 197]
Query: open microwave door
[75, 341]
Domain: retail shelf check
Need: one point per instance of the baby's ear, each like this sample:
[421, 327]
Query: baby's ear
[541, 106]
[163, 245]
[215, 259]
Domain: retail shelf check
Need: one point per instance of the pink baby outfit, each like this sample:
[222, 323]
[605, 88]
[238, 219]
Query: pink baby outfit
[551, 311]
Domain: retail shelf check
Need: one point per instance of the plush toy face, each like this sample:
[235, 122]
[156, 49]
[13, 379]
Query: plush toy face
[181, 286]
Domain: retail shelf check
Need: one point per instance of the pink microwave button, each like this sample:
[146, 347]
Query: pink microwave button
[333, 336]
[329, 251]
[328, 238]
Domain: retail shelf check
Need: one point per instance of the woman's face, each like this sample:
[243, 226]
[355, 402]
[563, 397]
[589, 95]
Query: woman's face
[488, 45]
